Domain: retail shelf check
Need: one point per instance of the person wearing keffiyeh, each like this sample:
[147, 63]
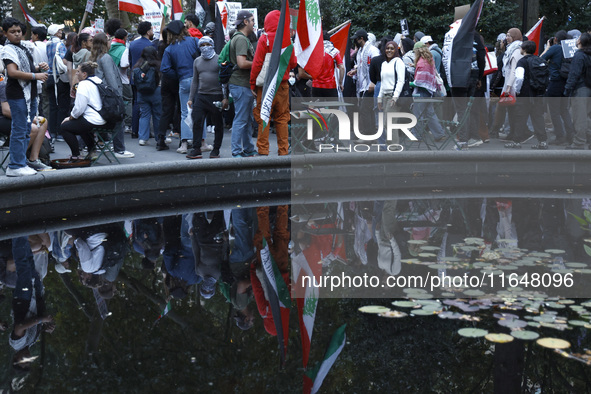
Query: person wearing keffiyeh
[21, 93]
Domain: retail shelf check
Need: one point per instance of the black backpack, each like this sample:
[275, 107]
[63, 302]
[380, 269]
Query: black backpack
[113, 108]
[538, 73]
[144, 78]
[565, 67]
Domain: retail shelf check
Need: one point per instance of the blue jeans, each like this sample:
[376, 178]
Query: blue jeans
[184, 91]
[150, 107]
[426, 110]
[242, 126]
[21, 129]
[25, 270]
[244, 224]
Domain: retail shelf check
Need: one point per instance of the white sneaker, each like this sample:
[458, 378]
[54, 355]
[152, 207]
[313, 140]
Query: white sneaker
[206, 148]
[143, 142]
[472, 142]
[22, 171]
[124, 154]
[182, 148]
[37, 165]
[211, 129]
[168, 140]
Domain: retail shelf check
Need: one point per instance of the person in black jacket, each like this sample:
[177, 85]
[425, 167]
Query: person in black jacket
[578, 87]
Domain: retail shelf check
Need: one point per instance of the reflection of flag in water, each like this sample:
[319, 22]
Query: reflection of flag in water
[28, 16]
[313, 378]
[167, 309]
[280, 56]
[307, 299]
[279, 299]
[309, 45]
[535, 34]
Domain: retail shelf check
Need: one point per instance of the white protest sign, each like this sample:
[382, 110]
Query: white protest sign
[89, 6]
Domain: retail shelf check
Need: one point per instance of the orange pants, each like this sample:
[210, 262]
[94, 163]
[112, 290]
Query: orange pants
[280, 115]
[278, 241]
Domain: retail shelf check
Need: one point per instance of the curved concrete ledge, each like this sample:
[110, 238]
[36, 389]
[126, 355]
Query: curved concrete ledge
[76, 197]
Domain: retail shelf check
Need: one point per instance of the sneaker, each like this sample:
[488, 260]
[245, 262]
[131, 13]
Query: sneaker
[211, 129]
[513, 145]
[160, 146]
[215, 154]
[195, 154]
[127, 130]
[22, 171]
[574, 146]
[206, 147]
[143, 142]
[168, 141]
[542, 145]
[461, 146]
[125, 154]
[92, 156]
[60, 139]
[472, 142]
[183, 147]
[486, 141]
[250, 154]
[38, 165]
[241, 154]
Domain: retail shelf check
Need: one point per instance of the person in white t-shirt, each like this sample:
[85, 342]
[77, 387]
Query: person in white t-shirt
[84, 116]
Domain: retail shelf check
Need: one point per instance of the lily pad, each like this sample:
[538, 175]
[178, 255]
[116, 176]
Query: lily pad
[393, 314]
[553, 343]
[373, 309]
[472, 332]
[438, 266]
[580, 323]
[525, 335]
[474, 293]
[515, 323]
[499, 338]
[555, 251]
[427, 255]
[405, 304]
[429, 248]
[576, 265]
[422, 312]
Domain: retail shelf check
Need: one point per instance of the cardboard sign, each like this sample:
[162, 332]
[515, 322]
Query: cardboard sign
[569, 47]
[89, 6]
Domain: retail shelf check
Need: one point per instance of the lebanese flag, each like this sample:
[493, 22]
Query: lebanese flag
[313, 378]
[28, 16]
[133, 6]
[535, 34]
[282, 50]
[339, 37]
[309, 45]
[306, 297]
[279, 299]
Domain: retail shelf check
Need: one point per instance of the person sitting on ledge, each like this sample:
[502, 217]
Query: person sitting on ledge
[84, 116]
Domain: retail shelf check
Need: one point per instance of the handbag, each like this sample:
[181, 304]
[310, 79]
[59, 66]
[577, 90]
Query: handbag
[491, 66]
[441, 92]
[506, 99]
[263, 73]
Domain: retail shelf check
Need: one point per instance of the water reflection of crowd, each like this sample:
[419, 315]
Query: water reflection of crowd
[220, 251]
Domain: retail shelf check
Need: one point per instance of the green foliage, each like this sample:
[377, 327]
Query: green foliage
[49, 12]
[565, 14]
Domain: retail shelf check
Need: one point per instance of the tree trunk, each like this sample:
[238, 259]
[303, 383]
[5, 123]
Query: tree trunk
[533, 9]
[114, 12]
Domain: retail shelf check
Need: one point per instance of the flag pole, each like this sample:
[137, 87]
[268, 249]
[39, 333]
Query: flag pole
[338, 27]
[83, 21]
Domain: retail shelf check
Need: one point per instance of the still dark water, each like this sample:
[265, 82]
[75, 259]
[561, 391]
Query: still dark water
[524, 262]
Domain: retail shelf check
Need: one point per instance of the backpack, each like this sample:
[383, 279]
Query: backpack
[113, 108]
[226, 66]
[538, 73]
[145, 80]
[405, 98]
[565, 67]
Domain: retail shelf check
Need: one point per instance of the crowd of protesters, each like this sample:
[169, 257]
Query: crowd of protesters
[170, 87]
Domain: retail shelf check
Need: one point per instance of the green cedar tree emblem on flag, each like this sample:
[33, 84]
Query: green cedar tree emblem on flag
[310, 306]
[313, 12]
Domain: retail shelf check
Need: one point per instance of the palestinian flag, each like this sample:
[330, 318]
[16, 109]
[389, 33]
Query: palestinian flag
[28, 16]
[309, 45]
[177, 11]
[307, 299]
[339, 37]
[462, 46]
[313, 378]
[219, 37]
[282, 50]
[279, 299]
[535, 34]
[163, 7]
[167, 309]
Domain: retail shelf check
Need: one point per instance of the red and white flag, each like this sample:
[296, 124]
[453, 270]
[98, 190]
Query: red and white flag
[138, 7]
[535, 34]
[309, 45]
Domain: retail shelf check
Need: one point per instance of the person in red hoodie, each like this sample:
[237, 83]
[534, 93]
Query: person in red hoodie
[192, 24]
[280, 109]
